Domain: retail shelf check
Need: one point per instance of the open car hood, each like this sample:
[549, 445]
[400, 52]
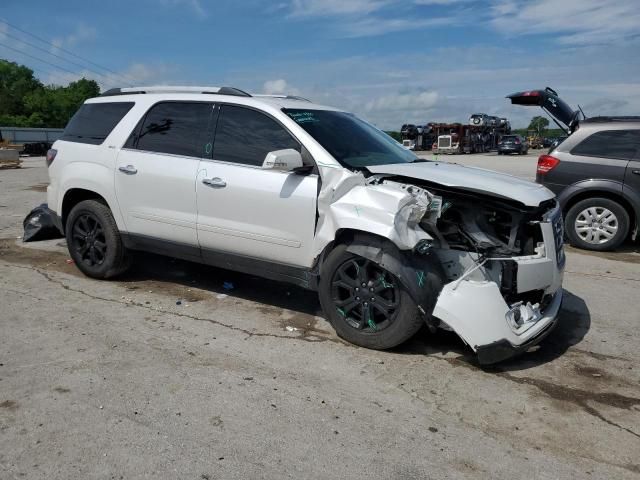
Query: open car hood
[472, 179]
[549, 101]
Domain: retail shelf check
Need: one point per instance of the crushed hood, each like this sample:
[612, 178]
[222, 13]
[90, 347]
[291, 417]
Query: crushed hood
[472, 179]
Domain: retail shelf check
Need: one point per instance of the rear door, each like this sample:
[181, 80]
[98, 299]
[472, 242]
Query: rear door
[549, 101]
[248, 211]
[156, 173]
[603, 155]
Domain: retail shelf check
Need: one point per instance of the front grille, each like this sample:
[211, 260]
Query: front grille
[444, 142]
[558, 237]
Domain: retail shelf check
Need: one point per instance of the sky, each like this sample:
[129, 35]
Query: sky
[389, 61]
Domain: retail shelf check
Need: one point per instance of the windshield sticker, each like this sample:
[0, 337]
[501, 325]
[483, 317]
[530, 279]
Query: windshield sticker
[303, 117]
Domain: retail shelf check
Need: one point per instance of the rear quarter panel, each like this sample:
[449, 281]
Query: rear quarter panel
[90, 167]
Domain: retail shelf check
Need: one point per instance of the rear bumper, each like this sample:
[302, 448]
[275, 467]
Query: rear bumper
[510, 149]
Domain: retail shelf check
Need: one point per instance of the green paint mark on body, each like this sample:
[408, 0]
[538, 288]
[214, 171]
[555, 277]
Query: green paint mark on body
[341, 312]
[372, 324]
[420, 275]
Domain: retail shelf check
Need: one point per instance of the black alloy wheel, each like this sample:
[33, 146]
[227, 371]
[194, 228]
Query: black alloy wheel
[365, 295]
[89, 240]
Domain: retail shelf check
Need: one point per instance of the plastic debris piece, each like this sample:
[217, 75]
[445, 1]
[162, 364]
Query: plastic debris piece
[291, 329]
[228, 286]
[221, 296]
[179, 302]
[39, 225]
[69, 261]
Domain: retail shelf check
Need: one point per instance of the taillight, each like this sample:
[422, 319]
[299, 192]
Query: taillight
[546, 163]
[51, 156]
[517, 141]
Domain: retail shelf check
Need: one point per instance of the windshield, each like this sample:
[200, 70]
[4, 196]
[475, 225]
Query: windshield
[351, 141]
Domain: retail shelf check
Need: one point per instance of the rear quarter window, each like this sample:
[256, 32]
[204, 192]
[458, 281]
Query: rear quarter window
[621, 144]
[93, 122]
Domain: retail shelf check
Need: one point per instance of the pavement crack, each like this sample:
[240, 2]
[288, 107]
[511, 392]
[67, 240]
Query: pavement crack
[248, 333]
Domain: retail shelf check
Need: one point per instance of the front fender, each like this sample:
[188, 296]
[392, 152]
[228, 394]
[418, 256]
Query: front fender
[570, 191]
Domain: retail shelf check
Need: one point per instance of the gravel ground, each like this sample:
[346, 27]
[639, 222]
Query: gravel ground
[111, 380]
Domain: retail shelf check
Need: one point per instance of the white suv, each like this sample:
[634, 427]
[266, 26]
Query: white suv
[280, 187]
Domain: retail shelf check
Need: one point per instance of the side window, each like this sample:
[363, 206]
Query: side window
[622, 144]
[178, 128]
[246, 136]
[93, 122]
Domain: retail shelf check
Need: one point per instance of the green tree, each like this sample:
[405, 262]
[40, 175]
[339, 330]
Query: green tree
[539, 124]
[25, 102]
[16, 81]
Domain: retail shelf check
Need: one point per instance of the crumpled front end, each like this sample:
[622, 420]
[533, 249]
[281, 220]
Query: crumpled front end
[503, 305]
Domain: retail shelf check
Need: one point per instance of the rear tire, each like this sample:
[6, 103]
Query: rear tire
[598, 224]
[349, 307]
[94, 241]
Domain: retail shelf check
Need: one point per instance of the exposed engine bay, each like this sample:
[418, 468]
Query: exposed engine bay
[488, 226]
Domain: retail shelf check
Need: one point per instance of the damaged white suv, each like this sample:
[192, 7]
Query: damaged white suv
[282, 188]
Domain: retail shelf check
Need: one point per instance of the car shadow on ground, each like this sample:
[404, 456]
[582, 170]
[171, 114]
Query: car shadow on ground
[573, 324]
[168, 272]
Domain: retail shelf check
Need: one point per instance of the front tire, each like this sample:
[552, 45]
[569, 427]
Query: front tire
[598, 224]
[367, 305]
[94, 240]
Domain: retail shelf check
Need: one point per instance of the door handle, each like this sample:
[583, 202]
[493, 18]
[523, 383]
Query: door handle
[215, 182]
[129, 170]
[637, 172]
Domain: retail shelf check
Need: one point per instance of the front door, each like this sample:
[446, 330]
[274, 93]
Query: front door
[156, 172]
[251, 212]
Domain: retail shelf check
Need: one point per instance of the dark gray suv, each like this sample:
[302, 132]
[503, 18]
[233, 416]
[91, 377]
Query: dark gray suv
[595, 173]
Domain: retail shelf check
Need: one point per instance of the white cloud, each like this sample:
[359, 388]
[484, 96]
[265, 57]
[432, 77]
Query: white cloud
[377, 26]
[275, 87]
[574, 22]
[421, 101]
[306, 8]
[83, 33]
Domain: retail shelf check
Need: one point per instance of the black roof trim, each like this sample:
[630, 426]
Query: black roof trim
[605, 119]
[236, 92]
[112, 92]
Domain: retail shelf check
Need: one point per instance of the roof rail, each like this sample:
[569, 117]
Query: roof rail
[287, 97]
[175, 89]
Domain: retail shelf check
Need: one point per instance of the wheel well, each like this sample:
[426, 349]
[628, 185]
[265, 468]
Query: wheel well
[343, 235]
[74, 196]
[603, 194]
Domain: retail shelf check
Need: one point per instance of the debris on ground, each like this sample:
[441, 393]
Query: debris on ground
[228, 286]
[39, 225]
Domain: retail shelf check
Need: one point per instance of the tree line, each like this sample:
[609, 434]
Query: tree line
[26, 102]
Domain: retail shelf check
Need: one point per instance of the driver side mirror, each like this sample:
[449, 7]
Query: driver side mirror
[283, 160]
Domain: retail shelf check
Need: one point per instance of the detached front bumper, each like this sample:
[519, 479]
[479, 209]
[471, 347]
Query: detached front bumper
[477, 311]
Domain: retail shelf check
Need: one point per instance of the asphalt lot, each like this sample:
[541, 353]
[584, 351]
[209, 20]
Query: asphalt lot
[113, 380]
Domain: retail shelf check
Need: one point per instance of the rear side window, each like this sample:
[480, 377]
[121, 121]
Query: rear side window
[93, 122]
[246, 136]
[177, 128]
[622, 144]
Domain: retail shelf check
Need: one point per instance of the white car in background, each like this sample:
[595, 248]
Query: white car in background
[293, 191]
